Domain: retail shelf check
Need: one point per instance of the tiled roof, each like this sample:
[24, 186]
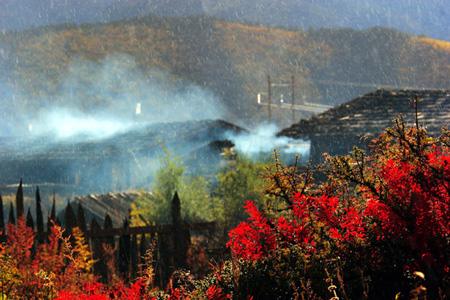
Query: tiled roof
[80, 165]
[117, 205]
[141, 140]
[371, 114]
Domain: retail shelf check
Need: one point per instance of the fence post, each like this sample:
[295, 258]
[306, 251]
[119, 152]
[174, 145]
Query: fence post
[109, 251]
[108, 224]
[124, 253]
[180, 235]
[165, 258]
[97, 253]
[142, 251]
[134, 257]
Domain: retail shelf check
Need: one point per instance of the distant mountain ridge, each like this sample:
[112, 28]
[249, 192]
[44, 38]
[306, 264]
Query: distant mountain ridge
[184, 67]
[430, 17]
[199, 67]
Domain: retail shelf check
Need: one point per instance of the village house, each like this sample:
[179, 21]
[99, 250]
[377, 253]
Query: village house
[121, 162]
[357, 122]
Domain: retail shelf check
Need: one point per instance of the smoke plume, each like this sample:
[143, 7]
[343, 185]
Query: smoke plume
[263, 140]
[99, 99]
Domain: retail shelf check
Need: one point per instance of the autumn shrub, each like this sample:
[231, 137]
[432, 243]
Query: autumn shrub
[42, 271]
[19, 277]
[279, 258]
[97, 291]
[378, 218]
[11, 280]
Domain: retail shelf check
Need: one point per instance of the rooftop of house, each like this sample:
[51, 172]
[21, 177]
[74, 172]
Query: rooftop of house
[140, 140]
[370, 114]
[116, 205]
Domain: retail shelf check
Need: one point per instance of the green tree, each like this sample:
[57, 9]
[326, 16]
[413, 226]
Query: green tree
[239, 181]
[196, 201]
[155, 207]
[194, 192]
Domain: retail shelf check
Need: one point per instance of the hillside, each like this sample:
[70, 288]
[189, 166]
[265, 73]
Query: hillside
[200, 62]
[411, 16]
[407, 16]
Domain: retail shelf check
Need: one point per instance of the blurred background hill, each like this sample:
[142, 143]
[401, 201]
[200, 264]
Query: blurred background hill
[201, 61]
[431, 17]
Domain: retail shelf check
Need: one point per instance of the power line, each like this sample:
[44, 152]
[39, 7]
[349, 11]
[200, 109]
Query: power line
[371, 85]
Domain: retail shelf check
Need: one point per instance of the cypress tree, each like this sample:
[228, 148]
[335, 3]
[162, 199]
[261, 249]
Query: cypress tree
[19, 201]
[81, 218]
[52, 217]
[11, 218]
[29, 222]
[69, 219]
[39, 217]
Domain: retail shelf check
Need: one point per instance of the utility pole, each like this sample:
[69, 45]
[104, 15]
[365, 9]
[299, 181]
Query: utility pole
[269, 93]
[293, 98]
[281, 104]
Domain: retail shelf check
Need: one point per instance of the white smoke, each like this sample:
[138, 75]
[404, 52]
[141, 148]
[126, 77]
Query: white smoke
[263, 139]
[99, 99]
[65, 124]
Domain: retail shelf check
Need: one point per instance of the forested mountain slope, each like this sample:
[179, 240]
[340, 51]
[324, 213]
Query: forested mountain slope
[154, 60]
[430, 17]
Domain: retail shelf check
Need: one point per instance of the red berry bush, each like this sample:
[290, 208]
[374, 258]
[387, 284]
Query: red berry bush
[372, 223]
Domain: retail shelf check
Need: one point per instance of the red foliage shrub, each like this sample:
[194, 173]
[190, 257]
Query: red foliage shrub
[255, 239]
[95, 290]
[215, 293]
[390, 210]
[414, 209]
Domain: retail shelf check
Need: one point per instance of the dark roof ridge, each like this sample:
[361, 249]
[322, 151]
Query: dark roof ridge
[370, 112]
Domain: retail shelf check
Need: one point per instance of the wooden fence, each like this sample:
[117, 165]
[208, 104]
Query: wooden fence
[125, 246]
